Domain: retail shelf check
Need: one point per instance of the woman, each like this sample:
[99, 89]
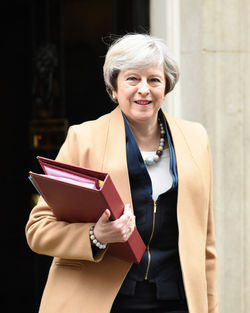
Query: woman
[162, 169]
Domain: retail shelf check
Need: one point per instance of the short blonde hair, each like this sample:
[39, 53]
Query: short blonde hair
[138, 51]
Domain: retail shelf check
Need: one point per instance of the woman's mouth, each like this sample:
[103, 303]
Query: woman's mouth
[143, 102]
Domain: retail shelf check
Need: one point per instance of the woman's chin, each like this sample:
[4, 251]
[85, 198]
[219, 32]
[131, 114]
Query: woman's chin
[143, 114]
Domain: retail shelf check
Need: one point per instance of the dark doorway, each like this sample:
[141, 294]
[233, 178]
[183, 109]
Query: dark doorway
[72, 36]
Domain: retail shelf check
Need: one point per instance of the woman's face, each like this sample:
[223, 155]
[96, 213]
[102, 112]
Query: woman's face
[140, 92]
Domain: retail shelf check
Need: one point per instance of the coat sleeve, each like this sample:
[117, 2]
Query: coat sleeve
[211, 257]
[45, 235]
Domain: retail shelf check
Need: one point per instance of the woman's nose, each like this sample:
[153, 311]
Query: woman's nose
[143, 88]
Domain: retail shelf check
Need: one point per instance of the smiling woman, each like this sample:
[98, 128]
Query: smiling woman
[140, 93]
[139, 71]
[161, 167]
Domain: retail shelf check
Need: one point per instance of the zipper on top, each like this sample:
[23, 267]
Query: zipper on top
[150, 239]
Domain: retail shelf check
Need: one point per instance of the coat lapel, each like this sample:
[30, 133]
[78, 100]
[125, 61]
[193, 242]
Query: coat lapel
[191, 213]
[115, 157]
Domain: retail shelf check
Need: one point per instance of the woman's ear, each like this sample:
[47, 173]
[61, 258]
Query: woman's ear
[114, 96]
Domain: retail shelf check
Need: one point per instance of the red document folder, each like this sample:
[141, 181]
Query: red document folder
[77, 194]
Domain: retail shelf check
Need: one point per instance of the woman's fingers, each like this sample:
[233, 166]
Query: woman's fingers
[120, 230]
[128, 211]
[105, 217]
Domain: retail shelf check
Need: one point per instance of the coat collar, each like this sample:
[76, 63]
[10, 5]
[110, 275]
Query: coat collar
[115, 160]
[190, 191]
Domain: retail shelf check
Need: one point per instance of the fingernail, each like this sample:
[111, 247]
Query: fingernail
[107, 212]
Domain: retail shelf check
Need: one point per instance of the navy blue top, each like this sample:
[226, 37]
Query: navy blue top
[158, 230]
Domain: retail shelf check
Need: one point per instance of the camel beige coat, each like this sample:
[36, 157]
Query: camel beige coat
[77, 282]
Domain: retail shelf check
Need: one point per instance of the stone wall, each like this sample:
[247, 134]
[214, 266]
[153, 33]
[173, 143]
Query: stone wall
[211, 40]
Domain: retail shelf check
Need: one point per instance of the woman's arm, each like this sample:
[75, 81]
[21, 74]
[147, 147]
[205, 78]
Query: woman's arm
[46, 235]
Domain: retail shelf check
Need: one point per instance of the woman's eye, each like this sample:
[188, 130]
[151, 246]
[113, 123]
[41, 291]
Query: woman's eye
[155, 80]
[131, 78]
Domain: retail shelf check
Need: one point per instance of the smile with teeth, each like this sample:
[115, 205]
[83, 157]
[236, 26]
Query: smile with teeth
[143, 102]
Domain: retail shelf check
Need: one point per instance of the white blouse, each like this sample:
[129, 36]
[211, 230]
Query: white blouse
[159, 173]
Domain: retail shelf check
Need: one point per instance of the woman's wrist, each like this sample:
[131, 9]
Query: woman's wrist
[94, 241]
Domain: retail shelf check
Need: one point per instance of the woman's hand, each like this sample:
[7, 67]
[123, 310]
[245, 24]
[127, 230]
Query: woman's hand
[120, 230]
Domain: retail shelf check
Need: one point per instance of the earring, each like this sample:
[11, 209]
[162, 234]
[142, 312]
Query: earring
[114, 98]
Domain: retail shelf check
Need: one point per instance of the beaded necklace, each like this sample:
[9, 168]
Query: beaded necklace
[150, 160]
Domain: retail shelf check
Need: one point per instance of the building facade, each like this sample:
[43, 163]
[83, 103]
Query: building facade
[211, 42]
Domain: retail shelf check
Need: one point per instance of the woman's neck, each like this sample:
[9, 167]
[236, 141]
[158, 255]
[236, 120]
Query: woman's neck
[147, 134]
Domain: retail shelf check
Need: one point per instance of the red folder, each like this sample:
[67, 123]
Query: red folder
[77, 194]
